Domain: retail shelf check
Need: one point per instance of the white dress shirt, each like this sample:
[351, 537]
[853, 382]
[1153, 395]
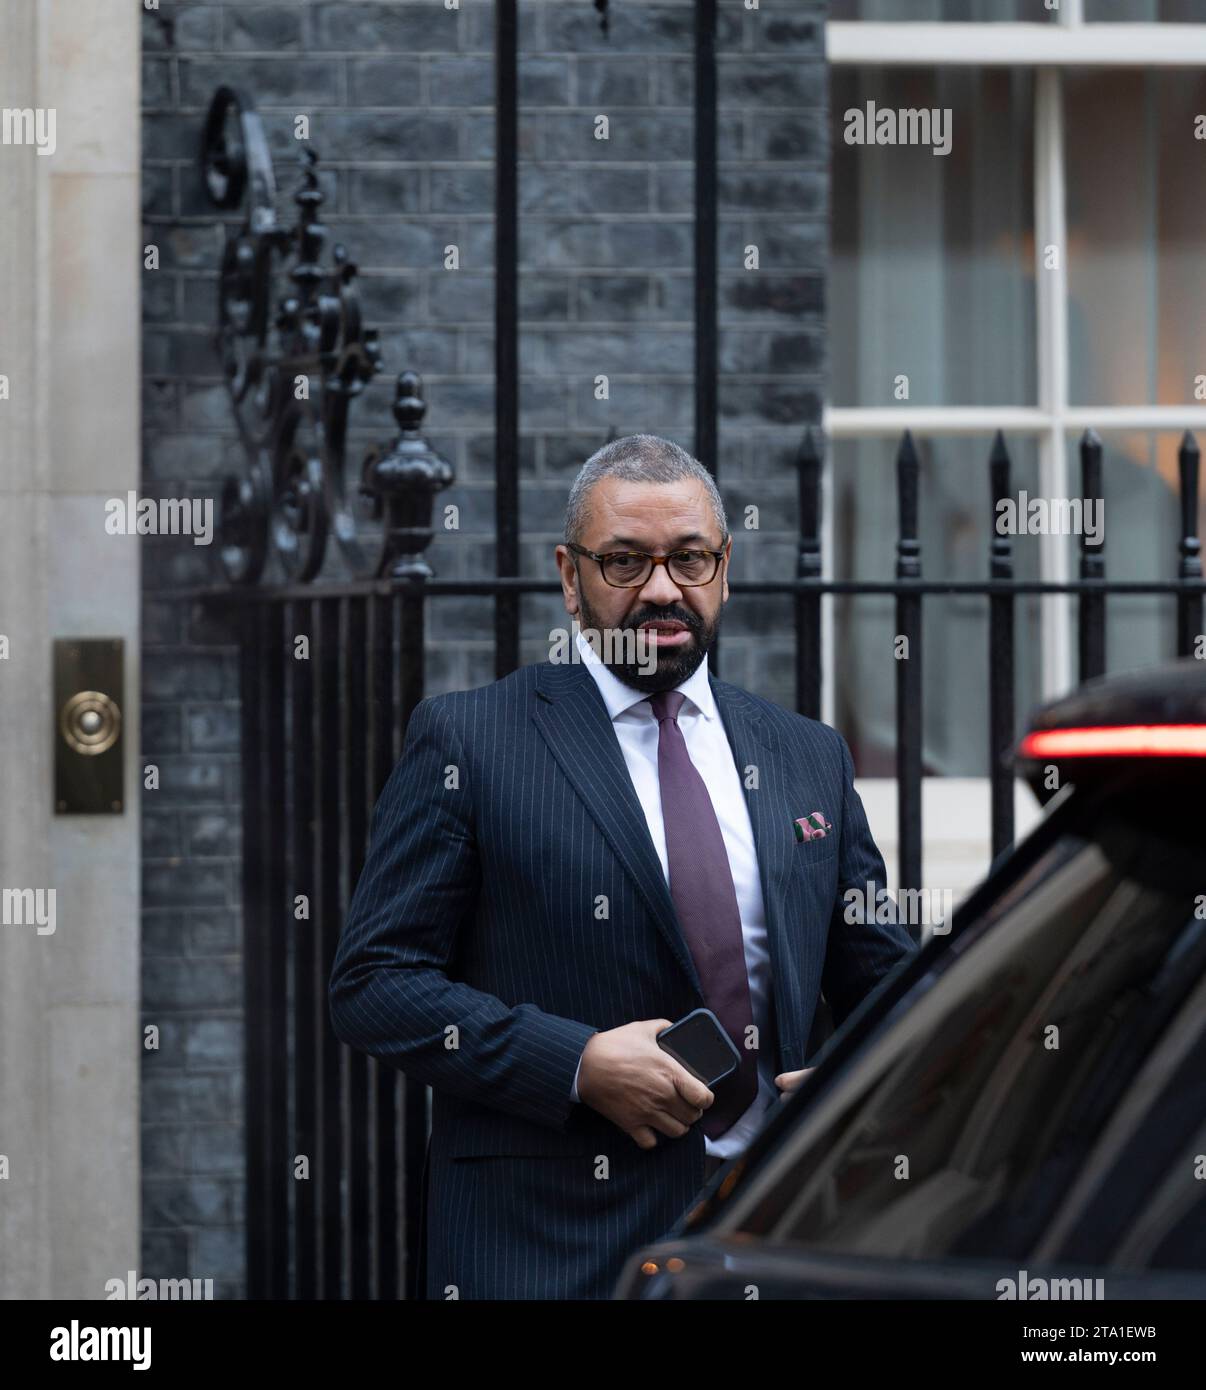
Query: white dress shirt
[709, 749]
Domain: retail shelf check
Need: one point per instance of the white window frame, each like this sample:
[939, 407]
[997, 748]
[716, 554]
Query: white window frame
[1048, 49]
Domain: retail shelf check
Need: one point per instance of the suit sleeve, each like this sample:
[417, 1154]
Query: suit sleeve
[391, 993]
[862, 951]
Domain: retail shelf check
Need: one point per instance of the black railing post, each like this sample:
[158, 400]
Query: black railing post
[1092, 638]
[705, 230]
[908, 670]
[265, 937]
[411, 681]
[1189, 606]
[383, 753]
[808, 566]
[404, 479]
[254, 898]
[1000, 659]
[324, 643]
[309, 982]
[353, 693]
[705, 234]
[506, 335]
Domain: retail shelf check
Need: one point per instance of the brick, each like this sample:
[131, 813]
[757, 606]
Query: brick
[213, 728]
[393, 81]
[199, 984]
[156, 82]
[644, 29]
[607, 83]
[761, 296]
[181, 27]
[267, 28]
[219, 1254]
[188, 1201]
[460, 80]
[177, 672]
[390, 191]
[402, 28]
[612, 351]
[543, 81]
[217, 933]
[213, 1043]
[765, 81]
[163, 934]
[218, 1148]
[630, 136]
[185, 455]
[756, 350]
[164, 1255]
[169, 1034]
[176, 881]
[300, 84]
[211, 834]
[194, 780]
[160, 834]
[172, 1096]
[771, 190]
[599, 190]
[786, 402]
[166, 1148]
[545, 297]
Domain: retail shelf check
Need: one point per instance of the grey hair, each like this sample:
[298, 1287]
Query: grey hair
[637, 458]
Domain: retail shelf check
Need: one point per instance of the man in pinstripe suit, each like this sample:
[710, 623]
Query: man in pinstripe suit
[564, 862]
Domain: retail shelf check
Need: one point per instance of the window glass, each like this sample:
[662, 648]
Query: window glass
[932, 275]
[1142, 529]
[1136, 206]
[955, 519]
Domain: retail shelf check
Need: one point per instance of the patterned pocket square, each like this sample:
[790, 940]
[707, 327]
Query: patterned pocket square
[813, 826]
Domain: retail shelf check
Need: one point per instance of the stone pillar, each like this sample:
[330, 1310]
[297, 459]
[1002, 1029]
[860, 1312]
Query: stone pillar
[69, 347]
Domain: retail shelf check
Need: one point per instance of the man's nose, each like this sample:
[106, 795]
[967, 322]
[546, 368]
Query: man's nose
[659, 589]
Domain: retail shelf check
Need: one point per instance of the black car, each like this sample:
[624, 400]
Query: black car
[1019, 1110]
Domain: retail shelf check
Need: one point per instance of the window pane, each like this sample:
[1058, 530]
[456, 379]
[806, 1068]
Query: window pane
[982, 11]
[1136, 208]
[932, 273]
[1142, 530]
[956, 519]
[1145, 11]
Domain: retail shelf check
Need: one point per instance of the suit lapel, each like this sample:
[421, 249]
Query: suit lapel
[571, 717]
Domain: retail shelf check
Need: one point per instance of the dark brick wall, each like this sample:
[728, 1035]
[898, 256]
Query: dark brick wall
[400, 100]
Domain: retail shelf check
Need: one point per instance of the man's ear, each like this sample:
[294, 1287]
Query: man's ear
[724, 564]
[568, 574]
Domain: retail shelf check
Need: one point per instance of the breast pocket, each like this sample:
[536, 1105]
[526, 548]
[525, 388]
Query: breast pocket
[815, 855]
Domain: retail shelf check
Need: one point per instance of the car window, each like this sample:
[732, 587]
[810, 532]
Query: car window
[963, 1125]
[1139, 1201]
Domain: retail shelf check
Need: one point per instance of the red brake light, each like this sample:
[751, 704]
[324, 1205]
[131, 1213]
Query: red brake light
[1120, 741]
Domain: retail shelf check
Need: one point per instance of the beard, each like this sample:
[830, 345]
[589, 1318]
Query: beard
[673, 665]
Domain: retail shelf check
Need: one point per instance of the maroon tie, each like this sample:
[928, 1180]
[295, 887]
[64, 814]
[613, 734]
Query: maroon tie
[701, 885]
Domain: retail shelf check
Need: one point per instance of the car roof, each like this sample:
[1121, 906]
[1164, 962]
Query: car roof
[1141, 722]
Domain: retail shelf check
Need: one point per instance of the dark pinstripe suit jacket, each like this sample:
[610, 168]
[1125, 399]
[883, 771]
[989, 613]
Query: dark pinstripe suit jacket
[474, 959]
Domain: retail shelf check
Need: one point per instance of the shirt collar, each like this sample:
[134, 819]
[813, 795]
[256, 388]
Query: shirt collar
[619, 697]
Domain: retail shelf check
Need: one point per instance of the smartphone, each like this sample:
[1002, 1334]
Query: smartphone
[699, 1043]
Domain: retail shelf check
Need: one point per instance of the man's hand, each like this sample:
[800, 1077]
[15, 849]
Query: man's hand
[787, 1081]
[627, 1077]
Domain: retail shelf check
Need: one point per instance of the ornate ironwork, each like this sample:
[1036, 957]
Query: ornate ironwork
[400, 484]
[293, 370]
